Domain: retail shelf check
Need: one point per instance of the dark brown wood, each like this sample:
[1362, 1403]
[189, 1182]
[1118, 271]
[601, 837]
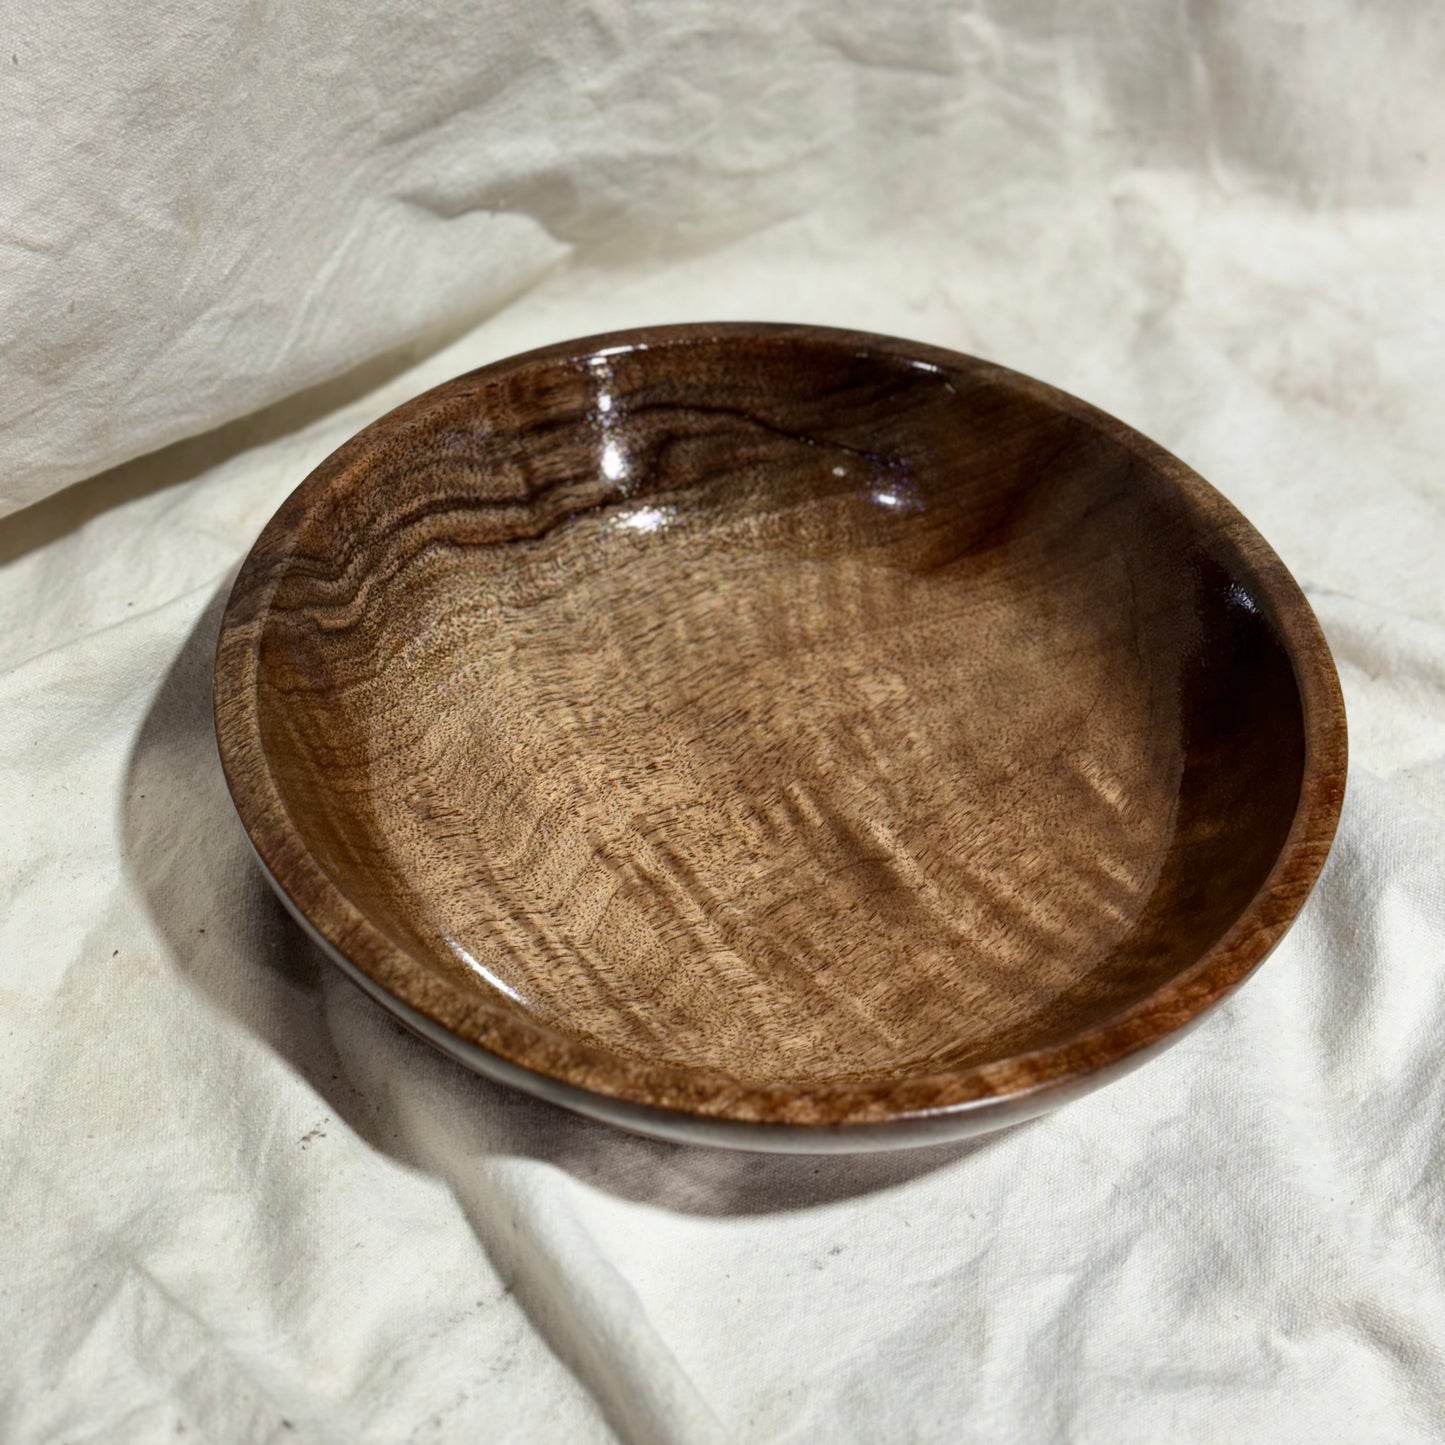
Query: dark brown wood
[779, 725]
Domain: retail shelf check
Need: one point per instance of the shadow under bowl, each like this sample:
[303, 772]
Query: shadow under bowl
[778, 737]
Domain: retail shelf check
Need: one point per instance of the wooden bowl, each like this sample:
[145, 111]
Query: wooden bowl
[778, 737]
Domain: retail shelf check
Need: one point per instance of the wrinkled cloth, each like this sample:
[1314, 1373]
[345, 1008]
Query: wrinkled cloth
[239, 1203]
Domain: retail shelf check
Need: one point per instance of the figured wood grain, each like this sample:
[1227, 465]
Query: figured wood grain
[779, 725]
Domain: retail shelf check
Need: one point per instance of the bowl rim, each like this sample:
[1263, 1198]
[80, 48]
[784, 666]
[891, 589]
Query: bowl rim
[538, 1057]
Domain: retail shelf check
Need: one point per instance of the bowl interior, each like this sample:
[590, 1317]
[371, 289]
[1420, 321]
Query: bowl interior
[777, 708]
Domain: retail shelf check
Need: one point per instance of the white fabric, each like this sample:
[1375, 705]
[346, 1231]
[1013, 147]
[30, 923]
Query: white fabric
[236, 1202]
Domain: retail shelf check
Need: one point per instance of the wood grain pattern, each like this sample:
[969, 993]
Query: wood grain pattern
[779, 725]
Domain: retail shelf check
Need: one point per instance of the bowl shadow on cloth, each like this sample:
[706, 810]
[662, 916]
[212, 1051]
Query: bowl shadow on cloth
[230, 938]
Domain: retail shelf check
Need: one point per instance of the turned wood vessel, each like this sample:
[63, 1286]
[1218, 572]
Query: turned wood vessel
[778, 737]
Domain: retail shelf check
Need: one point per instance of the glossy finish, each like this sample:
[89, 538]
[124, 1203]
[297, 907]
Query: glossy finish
[778, 737]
